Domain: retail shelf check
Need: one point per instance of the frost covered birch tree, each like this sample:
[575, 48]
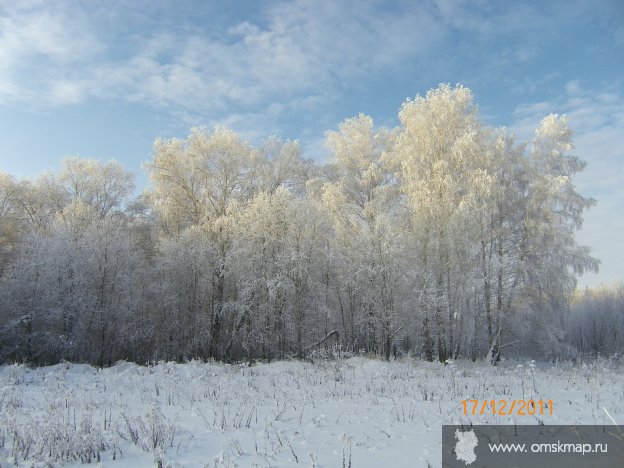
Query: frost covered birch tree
[437, 162]
[551, 258]
[362, 203]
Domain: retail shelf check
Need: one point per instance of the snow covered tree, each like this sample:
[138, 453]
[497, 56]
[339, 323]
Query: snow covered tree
[180, 296]
[195, 181]
[104, 186]
[437, 160]
[550, 258]
[280, 257]
[9, 219]
[201, 182]
[66, 287]
[72, 289]
[362, 203]
[281, 165]
[595, 324]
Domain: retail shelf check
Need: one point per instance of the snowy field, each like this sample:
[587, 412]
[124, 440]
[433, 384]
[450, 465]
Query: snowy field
[354, 413]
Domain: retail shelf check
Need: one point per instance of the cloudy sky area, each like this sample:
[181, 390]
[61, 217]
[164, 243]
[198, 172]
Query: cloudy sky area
[104, 78]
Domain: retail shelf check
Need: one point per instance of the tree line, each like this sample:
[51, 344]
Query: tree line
[595, 322]
[442, 237]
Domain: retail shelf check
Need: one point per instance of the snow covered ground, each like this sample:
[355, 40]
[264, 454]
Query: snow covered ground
[355, 413]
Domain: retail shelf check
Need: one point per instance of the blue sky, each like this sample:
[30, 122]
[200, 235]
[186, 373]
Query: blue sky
[103, 79]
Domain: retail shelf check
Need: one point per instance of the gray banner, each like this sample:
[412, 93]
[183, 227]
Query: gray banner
[533, 446]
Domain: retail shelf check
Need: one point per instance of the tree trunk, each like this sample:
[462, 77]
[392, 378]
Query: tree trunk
[217, 316]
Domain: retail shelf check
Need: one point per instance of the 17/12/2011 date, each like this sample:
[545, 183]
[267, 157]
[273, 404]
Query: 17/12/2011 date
[508, 407]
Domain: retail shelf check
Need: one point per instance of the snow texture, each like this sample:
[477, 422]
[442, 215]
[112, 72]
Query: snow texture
[355, 412]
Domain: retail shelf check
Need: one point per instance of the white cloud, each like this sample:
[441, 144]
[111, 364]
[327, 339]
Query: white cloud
[66, 92]
[37, 41]
[197, 58]
[61, 53]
